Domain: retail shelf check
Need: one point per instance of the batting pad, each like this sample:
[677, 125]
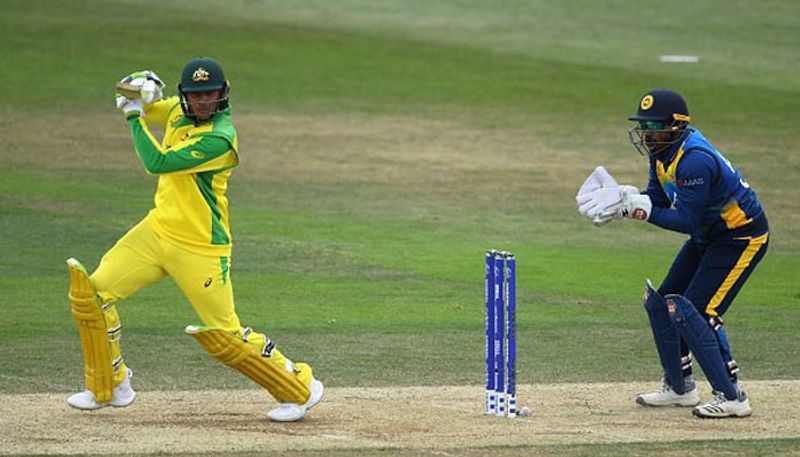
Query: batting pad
[702, 340]
[665, 335]
[87, 311]
[236, 353]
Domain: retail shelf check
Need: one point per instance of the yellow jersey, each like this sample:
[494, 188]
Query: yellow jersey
[193, 163]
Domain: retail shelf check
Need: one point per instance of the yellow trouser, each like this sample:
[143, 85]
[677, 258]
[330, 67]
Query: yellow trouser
[142, 257]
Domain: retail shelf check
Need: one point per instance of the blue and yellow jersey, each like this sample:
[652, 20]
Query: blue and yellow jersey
[696, 190]
[193, 164]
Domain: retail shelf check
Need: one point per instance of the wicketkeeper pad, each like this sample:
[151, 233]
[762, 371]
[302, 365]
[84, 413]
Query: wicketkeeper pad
[88, 313]
[236, 353]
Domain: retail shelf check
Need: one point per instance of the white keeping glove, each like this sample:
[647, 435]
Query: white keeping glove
[592, 203]
[597, 179]
[634, 206]
[609, 212]
[629, 190]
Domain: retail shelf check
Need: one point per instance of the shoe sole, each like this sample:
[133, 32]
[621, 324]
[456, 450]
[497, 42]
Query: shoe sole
[104, 405]
[731, 416]
[641, 401]
[95, 408]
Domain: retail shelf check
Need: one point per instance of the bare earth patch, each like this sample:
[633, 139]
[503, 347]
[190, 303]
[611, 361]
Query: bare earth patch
[444, 420]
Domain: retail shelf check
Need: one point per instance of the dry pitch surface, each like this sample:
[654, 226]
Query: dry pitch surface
[430, 420]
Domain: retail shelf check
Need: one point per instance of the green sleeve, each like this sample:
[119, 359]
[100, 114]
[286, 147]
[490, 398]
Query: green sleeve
[158, 160]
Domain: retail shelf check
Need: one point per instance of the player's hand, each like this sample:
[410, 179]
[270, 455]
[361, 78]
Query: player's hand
[628, 190]
[129, 106]
[612, 211]
[597, 179]
[145, 84]
[603, 219]
[591, 204]
[633, 205]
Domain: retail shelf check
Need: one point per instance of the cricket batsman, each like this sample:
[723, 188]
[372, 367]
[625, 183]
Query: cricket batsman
[187, 237]
[692, 189]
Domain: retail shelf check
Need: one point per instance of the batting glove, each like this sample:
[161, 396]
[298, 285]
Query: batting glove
[130, 106]
[150, 85]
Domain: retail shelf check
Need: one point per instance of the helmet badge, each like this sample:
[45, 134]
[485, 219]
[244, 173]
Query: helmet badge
[647, 102]
[201, 74]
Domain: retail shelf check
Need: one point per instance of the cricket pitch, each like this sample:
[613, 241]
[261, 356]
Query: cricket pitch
[443, 420]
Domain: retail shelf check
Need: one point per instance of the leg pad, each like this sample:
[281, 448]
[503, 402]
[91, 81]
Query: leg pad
[702, 340]
[234, 352]
[668, 342]
[88, 314]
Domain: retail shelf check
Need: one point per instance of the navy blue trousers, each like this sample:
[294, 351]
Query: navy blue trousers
[710, 274]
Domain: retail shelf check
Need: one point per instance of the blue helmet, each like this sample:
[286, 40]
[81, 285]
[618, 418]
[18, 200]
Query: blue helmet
[659, 111]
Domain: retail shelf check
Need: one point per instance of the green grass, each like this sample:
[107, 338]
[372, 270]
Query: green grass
[385, 146]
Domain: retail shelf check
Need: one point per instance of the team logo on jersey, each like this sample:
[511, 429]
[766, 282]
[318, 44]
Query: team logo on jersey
[201, 74]
[689, 182]
[197, 154]
[647, 102]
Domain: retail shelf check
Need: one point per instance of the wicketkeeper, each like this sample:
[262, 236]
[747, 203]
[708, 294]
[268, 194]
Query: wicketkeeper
[186, 237]
[693, 189]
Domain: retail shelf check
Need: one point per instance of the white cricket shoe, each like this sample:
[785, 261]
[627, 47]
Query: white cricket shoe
[720, 407]
[290, 412]
[665, 396]
[123, 396]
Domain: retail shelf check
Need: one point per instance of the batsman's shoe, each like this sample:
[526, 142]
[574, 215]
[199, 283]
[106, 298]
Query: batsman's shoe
[665, 396]
[720, 407]
[123, 396]
[290, 412]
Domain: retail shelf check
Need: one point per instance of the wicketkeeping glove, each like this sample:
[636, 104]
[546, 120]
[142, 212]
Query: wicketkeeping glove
[592, 203]
[598, 179]
[632, 205]
[604, 212]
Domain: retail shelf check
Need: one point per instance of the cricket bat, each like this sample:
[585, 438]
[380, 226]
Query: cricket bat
[129, 91]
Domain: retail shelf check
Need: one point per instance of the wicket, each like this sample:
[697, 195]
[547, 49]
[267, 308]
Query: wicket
[501, 346]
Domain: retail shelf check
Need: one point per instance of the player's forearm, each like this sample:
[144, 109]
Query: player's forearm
[672, 219]
[656, 193]
[190, 155]
[147, 147]
[658, 198]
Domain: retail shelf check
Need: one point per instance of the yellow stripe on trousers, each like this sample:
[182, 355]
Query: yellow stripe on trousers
[744, 261]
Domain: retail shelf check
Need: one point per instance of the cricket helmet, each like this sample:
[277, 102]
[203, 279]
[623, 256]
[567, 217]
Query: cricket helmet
[659, 111]
[203, 74]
